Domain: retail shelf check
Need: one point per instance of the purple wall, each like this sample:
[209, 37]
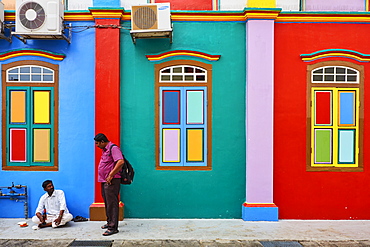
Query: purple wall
[260, 57]
[337, 5]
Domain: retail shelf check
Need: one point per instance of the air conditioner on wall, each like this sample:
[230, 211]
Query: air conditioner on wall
[151, 21]
[42, 17]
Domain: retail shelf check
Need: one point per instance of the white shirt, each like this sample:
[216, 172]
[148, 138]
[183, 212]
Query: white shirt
[53, 203]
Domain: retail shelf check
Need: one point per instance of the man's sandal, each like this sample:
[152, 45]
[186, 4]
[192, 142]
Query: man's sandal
[79, 219]
[110, 232]
[105, 226]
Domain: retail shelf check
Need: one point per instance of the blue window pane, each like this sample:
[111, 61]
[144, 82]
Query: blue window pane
[36, 77]
[25, 77]
[36, 70]
[171, 107]
[346, 150]
[13, 70]
[47, 71]
[25, 69]
[347, 108]
[13, 77]
[48, 77]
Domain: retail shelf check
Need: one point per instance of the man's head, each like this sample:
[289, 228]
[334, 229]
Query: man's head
[101, 140]
[48, 186]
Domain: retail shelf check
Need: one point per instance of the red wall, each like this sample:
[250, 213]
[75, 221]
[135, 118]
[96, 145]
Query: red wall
[107, 86]
[313, 195]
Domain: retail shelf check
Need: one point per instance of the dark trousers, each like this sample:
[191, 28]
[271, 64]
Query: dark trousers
[110, 193]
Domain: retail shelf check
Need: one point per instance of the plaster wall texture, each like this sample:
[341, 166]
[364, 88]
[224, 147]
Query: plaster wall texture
[298, 193]
[259, 120]
[288, 5]
[218, 193]
[79, 4]
[337, 5]
[76, 126]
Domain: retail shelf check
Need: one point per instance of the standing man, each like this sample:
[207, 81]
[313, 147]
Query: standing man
[110, 164]
[54, 203]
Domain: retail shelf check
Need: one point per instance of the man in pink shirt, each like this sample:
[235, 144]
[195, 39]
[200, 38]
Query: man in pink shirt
[110, 164]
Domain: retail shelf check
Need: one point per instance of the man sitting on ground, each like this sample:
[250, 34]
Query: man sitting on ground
[52, 209]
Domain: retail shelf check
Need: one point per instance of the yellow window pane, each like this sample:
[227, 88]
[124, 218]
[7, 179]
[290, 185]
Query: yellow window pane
[195, 145]
[18, 106]
[41, 145]
[42, 107]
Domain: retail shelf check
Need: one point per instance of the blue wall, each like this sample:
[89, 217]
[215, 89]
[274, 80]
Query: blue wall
[76, 126]
[106, 3]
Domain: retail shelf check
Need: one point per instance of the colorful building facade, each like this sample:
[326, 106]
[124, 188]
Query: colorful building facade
[254, 111]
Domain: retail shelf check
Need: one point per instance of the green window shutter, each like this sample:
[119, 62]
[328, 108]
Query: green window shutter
[29, 127]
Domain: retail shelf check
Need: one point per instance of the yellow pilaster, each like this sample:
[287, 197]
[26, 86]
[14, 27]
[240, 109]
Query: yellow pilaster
[261, 3]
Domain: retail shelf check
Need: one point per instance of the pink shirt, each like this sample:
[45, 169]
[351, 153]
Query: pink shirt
[108, 161]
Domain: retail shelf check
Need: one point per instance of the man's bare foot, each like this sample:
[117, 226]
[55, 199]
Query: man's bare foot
[42, 225]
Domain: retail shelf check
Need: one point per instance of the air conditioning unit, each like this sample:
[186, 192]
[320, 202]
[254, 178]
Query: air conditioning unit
[151, 21]
[151, 17]
[40, 17]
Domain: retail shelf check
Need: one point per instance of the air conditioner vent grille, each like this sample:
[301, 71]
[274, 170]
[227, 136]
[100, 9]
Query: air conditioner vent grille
[32, 15]
[145, 18]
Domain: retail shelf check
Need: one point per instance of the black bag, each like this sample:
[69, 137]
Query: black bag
[127, 172]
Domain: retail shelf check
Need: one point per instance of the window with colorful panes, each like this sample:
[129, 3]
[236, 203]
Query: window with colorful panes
[335, 117]
[183, 123]
[30, 123]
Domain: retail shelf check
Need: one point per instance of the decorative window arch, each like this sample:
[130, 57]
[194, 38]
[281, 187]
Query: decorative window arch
[183, 115]
[30, 125]
[183, 73]
[28, 73]
[335, 116]
[335, 74]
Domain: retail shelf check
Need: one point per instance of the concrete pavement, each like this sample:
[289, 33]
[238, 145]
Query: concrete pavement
[193, 232]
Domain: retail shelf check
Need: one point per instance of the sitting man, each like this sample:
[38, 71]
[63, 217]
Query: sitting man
[52, 209]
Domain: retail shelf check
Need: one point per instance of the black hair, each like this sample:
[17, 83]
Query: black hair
[45, 183]
[101, 137]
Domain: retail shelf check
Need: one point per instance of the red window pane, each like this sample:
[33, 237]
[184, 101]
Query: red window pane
[18, 145]
[323, 107]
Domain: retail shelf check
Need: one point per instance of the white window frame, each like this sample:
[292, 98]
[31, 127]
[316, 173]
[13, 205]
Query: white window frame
[44, 72]
[335, 74]
[183, 73]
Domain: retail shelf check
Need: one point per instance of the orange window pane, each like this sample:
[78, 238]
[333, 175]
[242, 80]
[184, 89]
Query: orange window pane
[41, 145]
[194, 144]
[18, 106]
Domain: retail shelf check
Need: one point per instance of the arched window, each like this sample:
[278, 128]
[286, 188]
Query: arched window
[183, 73]
[335, 74]
[30, 74]
[183, 123]
[335, 117]
[30, 124]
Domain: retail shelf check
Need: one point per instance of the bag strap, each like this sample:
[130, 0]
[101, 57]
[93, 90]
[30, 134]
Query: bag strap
[110, 152]
[110, 148]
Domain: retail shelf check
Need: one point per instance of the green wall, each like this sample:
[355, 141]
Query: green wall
[218, 193]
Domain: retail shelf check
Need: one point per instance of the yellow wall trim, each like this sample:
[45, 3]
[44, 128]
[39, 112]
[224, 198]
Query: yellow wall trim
[261, 3]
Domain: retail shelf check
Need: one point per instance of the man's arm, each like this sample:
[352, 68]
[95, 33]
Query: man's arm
[40, 210]
[59, 219]
[41, 218]
[62, 205]
[115, 170]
